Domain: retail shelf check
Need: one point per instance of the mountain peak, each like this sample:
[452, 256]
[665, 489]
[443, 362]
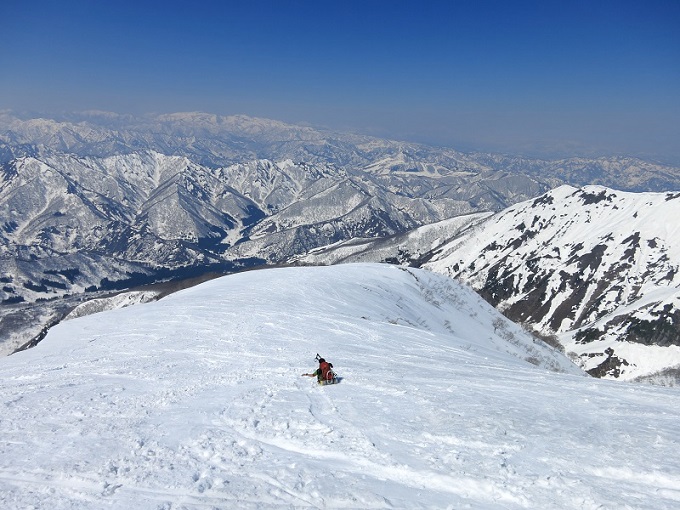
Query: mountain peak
[593, 265]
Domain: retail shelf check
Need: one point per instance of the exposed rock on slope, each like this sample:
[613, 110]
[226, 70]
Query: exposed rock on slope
[596, 266]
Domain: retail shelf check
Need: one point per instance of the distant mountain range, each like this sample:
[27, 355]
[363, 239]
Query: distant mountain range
[218, 141]
[100, 201]
[91, 201]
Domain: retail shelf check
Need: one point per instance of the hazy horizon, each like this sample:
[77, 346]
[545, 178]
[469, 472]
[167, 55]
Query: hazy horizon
[544, 79]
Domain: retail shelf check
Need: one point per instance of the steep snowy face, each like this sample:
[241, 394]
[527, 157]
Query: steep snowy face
[197, 400]
[599, 267]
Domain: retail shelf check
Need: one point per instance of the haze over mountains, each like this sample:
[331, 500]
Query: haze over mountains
[96, 201]
[214, 140]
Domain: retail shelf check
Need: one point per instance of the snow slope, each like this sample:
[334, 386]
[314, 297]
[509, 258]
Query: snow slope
[598, 267]
[112, 302]
[196, 401]
[404, 249]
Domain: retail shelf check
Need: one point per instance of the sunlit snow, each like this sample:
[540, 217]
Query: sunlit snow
[197, 401]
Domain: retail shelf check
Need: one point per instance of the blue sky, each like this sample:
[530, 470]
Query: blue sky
[533, 77]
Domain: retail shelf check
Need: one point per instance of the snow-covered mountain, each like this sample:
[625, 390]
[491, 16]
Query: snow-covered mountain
[98, 201]
[220, 141]
[596, 266]
[101, 197]
[411, 248]
[74, 223]
[197, 401]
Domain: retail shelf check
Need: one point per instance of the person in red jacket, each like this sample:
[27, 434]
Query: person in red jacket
[323, 374]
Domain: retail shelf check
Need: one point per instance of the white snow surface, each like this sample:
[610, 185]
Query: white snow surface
[197, 401]
[120, 300]
[413, 243]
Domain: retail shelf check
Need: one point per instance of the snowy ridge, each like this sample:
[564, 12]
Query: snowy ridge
[197, 401]
[596, 266]
[404, 249]
[121, 300]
